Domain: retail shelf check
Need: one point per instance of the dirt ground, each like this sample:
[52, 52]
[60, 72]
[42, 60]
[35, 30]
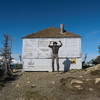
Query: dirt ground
[72, 85]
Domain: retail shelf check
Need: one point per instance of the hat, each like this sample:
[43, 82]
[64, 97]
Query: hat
[54, 42]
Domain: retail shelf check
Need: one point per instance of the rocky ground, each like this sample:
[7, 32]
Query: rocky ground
[72, 85]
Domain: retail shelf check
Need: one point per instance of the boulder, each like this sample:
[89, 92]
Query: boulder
[72, 83]
[97, 80]
[76, 84]
[76, 81]
[78, 87]
[17, 85]
[92, 69]
[28, 82]
[53, 82]
[33, 85]
[91, 89]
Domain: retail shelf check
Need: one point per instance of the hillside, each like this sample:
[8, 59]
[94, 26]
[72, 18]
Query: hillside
[72, 85]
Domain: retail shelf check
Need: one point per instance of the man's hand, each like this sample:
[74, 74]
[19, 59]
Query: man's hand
[50, 44]
[60, 43]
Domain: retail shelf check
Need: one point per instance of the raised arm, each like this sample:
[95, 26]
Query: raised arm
[50, 44]
[60, 44]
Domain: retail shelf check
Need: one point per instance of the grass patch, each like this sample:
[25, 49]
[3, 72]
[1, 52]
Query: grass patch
[1, 73]
[1, 85]
[34, 96]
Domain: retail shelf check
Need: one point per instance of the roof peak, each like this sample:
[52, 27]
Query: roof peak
[52, 32]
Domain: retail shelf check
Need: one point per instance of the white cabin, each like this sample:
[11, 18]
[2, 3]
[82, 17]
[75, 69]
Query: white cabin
[37, 55]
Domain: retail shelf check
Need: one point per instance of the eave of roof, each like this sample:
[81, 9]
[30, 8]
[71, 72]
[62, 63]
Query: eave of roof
[52, 32]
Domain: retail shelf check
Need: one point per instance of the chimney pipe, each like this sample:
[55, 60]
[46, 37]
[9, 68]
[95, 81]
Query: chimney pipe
[61, 28]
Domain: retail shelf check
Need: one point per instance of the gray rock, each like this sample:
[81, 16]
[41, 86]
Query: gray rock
[76, 81]
[79, 87]
[91, 89]
[97, 80]
[33, 85]
[53, 82]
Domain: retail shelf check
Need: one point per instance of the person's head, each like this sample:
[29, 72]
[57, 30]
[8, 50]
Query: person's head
[55, 43]
[67, 58]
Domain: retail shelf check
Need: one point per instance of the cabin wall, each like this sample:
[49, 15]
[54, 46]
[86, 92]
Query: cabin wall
[38, 48]
[37, 54]
[46, 64]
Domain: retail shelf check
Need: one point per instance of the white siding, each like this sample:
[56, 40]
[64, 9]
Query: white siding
[37, 54]
[38, 48]
[46, 64]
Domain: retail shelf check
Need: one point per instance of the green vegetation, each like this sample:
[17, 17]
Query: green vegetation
[18, 66]
[96, 60]
[5, 53]
[1, 85]
[1, 72]
[34, 96]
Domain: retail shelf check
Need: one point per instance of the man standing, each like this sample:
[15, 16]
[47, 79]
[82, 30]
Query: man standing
[55, 48]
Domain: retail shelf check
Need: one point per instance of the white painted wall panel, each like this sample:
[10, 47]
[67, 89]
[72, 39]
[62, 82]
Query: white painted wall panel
[38, 48]
[36, 53]
[30, 48]
[38, 64]
[46, 65]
